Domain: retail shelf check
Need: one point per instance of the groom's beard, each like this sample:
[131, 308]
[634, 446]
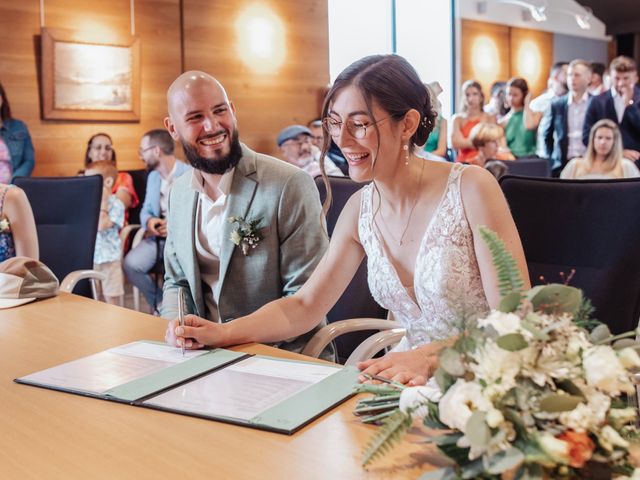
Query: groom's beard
[209, 165]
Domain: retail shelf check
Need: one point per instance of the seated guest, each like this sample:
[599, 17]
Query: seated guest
[471, 114]
[620, 104]
[315, 127]
[297, 148]
[604, 156]
[108, 252]
[100, 148]
[519, 125]
[488, 140]
[334, 154]
[18, 235]
[437, 142]
[497, 104]
[16, 149]
[156, 151]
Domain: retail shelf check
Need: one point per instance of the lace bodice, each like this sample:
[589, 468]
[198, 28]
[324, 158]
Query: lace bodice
[447, 283]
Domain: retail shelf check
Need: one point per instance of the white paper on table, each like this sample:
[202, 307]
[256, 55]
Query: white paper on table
[243, 390]
[103, 371]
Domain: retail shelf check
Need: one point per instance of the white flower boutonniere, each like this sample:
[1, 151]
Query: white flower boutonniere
[247, 234]
[4, 225]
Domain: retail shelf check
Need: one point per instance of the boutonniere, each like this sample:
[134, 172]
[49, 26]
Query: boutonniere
[247, 234]
[4, 225]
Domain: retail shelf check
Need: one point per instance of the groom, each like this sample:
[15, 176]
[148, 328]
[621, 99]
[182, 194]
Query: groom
[227, 269]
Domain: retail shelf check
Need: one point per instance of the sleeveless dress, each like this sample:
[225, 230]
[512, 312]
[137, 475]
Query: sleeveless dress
[465, 155]
[7, 248]
[447, 282]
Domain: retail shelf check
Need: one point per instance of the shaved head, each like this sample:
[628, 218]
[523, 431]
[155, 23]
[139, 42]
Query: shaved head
[203, 119]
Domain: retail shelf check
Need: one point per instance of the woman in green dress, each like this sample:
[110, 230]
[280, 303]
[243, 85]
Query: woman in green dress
[519, 124]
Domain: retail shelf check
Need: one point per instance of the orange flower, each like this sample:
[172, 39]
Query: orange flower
[580, 447]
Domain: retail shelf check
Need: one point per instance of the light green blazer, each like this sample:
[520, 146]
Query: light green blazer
[288, 202]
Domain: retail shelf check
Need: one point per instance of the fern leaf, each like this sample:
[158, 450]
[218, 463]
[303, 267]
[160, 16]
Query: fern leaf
[390, 433]
[509, 277]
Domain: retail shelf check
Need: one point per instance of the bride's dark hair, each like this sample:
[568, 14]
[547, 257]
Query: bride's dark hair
[394, 85]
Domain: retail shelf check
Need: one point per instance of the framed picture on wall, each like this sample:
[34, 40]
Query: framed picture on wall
[91, 79]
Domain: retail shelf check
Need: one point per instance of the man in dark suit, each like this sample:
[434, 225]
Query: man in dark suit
[562, 128]
[621, 104]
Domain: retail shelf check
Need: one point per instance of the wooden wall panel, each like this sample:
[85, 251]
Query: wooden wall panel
[265, 103]
[485, 53]
[60, 145]
[492, 52]
[531, 57]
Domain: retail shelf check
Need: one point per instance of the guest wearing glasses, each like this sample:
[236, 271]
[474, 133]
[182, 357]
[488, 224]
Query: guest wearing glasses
[415, 221]
[16, 148]
[604, 156]
[297, 148]
[100, 148]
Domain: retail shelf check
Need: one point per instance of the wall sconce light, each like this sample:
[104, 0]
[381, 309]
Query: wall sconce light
[583, 20]
[538, 12]
[261, 39]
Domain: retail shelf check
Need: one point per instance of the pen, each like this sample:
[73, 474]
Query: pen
[181, 312]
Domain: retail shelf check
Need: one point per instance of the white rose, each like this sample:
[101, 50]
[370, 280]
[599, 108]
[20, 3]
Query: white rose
[557, 450]
[604, 370]
[503, 323]
[459, 402]
[415, 398]
[609, 438]
[629, 358]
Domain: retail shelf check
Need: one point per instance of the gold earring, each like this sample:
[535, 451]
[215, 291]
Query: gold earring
[406, 153]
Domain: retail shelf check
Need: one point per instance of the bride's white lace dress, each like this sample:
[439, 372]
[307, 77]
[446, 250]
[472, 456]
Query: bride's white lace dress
[447, 282]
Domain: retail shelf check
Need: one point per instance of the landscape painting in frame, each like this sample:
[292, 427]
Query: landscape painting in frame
[87, 80]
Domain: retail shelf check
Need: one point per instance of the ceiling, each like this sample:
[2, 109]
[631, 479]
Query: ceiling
[619, 16]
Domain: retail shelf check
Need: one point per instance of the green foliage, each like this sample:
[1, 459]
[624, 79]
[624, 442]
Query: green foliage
[390, 433]
[512, 342]
[584, 316]
[555, 299]
[509, 277]
[559, 403]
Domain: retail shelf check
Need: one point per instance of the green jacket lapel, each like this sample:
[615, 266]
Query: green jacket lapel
[243, 187]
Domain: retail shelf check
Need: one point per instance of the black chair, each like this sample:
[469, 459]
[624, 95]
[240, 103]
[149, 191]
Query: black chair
[529, 167]
[356, 301]
[66, 212]
[586, 225]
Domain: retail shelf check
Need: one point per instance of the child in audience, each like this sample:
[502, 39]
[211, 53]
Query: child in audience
[18, 236]
[488, 140]
[603, 159]
[108, 252]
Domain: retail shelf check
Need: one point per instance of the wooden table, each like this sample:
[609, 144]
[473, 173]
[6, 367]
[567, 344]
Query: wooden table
[46, 434]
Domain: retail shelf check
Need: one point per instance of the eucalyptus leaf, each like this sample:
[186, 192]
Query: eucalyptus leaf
[559, 403]
[570, 387]
[442, 474]
[450, 439]
[503, 461]
[528, 324]
[512, 342]
[443, 379]
[510, 302]
[600, 333]
[555, 299]
[451, 362]
[477, 430]
[624, 343]
[473, 469]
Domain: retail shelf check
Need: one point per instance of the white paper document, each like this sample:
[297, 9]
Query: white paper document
[106, 370]
[243, 390]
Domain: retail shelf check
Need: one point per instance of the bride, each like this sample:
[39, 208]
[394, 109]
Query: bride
[416, 222]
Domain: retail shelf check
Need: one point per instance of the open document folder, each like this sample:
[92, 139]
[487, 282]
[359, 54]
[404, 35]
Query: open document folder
[252, 390]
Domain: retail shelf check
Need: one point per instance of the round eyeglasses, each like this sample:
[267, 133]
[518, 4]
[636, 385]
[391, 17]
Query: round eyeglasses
[357, 130]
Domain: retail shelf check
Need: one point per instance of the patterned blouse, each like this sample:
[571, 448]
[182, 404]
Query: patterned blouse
[7, 248]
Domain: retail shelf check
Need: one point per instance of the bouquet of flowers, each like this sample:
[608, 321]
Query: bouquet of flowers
[527, 390]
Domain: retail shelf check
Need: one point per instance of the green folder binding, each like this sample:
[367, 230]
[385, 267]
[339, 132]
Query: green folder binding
[251, 390]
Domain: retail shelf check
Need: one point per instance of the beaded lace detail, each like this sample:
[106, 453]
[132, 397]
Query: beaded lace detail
[447, 282]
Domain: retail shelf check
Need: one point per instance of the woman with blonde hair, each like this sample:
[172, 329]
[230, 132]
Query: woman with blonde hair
[603, 158]
[471, 113]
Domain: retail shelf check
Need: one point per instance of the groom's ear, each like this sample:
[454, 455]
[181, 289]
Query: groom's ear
[171, 128]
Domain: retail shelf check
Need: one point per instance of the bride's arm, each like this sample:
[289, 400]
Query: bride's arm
[484, 204]
[294, 315]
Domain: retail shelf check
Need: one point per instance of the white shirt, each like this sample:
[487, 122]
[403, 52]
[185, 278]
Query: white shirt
[618, 103]
[165, 188]
[542, 102]
[576, 112]
[210, 218]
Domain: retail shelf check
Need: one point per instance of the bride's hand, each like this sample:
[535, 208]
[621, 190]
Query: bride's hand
[412, 367]
[196, 333]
